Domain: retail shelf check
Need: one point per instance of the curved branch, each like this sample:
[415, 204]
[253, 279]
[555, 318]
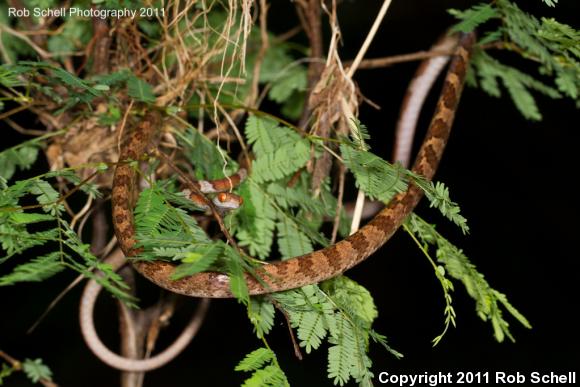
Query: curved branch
[91, 337]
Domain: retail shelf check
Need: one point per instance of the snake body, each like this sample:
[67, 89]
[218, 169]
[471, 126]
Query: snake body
[415, 96]
[87, 307]
[309, 268]
[299, 271]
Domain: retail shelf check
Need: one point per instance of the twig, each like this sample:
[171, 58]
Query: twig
[22, 130]
[369, 39]
[374, 63]
[265, 44]
[40, 51]
[309, 14]
[12, 361]
[14, 111]
[340, 196]
[57, 201]
[17, 366]
[295, 345]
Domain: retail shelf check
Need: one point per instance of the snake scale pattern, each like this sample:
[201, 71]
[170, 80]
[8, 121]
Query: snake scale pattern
[309, 268]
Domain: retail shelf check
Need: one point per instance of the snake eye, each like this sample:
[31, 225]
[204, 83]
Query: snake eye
[222, 197]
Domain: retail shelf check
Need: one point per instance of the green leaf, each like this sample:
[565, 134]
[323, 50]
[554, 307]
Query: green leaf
[36, 370]
[458, 266]
[209, 160]
[268, 376]
[473, 17]
[382, 340]
[197, 260]
[257, 220]
[36, 270]
[342, 355]
[438, 196]
[21, 156]
[140, 90]
[5, 372]
[261, 315]
[282, 162]
[161, 228]
[47, 196]
[517, 84]
[550, 3]
[376, 177]
[265, 136]
[255, 360]
[289, 82]
[353, 298]
[28, 218]
[266, 371]
[292, 242]
[308, 312]
[238, 284]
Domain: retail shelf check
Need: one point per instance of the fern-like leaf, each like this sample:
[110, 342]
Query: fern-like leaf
[261, 314]
[36, 370]
[473, 17]
[266, 136]
[257, 218]
[238, 284]
[342, 355]
[20, 157]
[140, 90]
[376, 177]
[266, 371]
[458, 266]
[197, 259]
[292, 242]
[517, 84]
[281, 162]
[438, 196]
[36, 270]
[255, 360]
[47, 196]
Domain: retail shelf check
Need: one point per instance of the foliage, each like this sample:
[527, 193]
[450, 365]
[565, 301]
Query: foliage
[219, 56]
[269, 203]
[340, 312]
[264, 367]
[551, 44]
[458, 266]
[381, 180]
[517, 84]
[19, 157]
[36, 370]
[65, 249]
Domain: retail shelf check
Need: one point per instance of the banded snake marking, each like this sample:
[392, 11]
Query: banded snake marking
[279, 275]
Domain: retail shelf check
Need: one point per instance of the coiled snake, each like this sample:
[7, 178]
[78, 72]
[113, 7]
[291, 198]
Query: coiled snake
[280, 275]
[309, 268]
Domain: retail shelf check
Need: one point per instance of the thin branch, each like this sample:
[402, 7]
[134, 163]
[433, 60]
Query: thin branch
[17, 366]
[374, 63]
[369, 38]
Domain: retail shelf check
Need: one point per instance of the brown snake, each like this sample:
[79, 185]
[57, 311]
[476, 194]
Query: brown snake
[309, 268]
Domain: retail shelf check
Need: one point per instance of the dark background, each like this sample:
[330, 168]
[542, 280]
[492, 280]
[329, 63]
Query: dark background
[514, 180]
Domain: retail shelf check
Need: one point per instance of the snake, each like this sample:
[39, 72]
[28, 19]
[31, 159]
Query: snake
[309, 268]
[415, 96]
[296, 272]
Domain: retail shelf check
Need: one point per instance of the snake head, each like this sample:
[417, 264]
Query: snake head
[228, 200]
